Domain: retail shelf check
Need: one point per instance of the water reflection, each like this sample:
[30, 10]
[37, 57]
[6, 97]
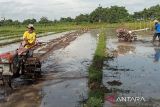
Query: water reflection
[157, 54]
[123, 50]
[132, 73]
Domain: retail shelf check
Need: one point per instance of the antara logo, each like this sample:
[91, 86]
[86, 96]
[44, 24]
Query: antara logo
[130, 99]
[112, 99]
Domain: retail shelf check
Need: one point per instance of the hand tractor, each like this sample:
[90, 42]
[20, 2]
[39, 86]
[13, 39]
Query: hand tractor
[125, 35]
[19, 62]
[128, 36]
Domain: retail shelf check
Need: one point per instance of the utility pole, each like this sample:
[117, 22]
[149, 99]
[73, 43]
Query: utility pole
[99, 16]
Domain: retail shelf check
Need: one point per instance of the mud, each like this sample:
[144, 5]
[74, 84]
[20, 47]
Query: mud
[64, 82]
[57, 43]
[69, 86]
[133, 71]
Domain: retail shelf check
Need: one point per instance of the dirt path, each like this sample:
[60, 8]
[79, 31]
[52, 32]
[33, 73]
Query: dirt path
[64, 84]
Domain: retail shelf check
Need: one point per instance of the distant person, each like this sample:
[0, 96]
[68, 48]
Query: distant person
[29, 37]
[157, 30]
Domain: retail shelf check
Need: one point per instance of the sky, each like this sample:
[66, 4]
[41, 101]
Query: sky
[55, 9]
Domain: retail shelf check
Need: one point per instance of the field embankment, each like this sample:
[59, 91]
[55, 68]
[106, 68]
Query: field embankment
[96, 90]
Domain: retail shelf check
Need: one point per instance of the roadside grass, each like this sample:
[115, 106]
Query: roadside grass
[96, 89]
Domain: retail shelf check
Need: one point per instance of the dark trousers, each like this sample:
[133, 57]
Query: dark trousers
[155, 36]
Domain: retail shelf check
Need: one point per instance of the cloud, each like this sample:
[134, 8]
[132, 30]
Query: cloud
[54, 9]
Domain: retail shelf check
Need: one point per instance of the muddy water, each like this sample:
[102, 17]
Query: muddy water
[64, 82]
[69, 68]
[133, 71]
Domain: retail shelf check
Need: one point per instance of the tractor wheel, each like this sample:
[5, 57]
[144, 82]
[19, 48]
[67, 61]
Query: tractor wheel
[7, 80]
[37, 73]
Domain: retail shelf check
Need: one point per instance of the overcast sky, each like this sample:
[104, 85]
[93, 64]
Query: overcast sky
[54, 9]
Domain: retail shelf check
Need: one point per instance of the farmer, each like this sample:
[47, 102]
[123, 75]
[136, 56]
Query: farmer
[29, 40]
[29, 37]
[157, 30]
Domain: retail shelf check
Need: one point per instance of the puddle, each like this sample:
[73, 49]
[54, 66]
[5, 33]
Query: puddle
[65, 77]
[70, 64]
[133, 72]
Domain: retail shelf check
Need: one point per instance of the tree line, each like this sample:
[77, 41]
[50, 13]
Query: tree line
[113, 14]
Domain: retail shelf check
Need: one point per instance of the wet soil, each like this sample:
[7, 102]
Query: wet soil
[64, 82]
[133, 71]
[69, 87]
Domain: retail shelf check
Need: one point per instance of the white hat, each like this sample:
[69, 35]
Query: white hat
[30, 26]
[156, 21]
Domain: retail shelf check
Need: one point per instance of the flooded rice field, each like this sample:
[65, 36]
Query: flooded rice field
[132, 73]
[64, 81]
[69, 85]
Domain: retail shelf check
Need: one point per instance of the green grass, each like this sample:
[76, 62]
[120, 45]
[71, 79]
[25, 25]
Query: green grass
[16, 32]
[5, 30]
[96, 91]
[20, 39]
[45, 28]
[138, 25]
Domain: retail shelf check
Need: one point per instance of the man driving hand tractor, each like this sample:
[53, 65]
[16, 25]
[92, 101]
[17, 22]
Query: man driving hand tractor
[29, 37]
[29, 41]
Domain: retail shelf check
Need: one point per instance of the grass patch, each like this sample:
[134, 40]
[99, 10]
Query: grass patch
[18, 39]
[42, 28]
[96, 89]
[15, 32]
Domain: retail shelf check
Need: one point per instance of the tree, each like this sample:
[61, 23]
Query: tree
[68, 19]
[150, 13]
[82, 18]
[55, 21]
[113, 14]
[29, 21]
[118, 14]
[16, 22]
[8, 22]
[44, 20]
[96, 15]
